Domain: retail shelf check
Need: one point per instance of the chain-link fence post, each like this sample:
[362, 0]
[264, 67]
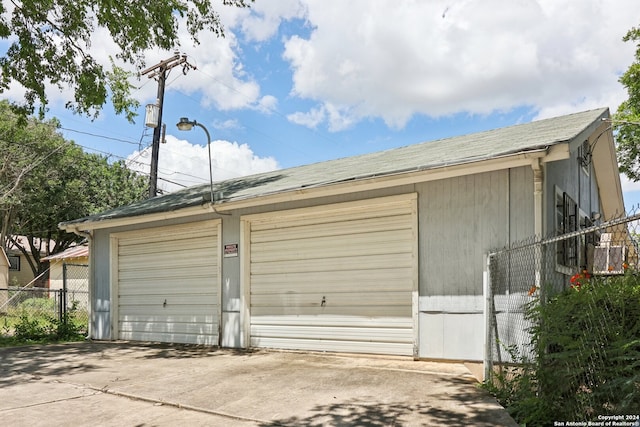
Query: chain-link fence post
[63, 295]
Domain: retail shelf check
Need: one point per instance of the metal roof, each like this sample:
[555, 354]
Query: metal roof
[418, 157]
[72, 252]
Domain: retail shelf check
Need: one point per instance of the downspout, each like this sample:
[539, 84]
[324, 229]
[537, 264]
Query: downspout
[538, 215]
[89, 236]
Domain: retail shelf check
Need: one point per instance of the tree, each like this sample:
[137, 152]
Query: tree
[45, 179]
[51, 40]
[627, 118]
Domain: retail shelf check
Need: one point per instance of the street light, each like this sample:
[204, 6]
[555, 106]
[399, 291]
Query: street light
[186, 124]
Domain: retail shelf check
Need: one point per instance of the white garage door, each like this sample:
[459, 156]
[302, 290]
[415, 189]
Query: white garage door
[168, 286]
[335, 278]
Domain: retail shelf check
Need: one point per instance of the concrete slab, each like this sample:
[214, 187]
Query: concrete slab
[152, 384]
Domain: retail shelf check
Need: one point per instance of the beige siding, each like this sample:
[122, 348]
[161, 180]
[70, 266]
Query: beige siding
[335, 278]
[168, 286]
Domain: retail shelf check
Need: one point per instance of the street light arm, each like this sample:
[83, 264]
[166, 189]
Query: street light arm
[205, 131]
[186, 124]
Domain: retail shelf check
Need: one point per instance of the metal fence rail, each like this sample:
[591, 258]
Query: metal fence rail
[533, 271]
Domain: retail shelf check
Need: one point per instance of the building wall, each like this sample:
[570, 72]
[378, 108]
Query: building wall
[577, 181]
[24, 275]
[56, 272]
[581, 185]
[460, 220]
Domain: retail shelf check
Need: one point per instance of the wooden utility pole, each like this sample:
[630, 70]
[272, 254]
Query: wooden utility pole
[160, 71]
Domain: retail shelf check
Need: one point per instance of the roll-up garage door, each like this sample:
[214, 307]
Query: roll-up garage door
[168, 285]
[335, 278]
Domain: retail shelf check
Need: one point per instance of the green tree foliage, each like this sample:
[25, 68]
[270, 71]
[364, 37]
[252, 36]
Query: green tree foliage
[51, 40]
[628, 134]
[45, 180]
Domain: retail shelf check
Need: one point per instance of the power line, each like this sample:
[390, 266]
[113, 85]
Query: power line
[99, 136]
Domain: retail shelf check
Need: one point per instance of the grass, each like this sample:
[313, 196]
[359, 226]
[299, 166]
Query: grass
[36, 321]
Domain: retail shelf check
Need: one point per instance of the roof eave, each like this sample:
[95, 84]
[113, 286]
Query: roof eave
[357, 184]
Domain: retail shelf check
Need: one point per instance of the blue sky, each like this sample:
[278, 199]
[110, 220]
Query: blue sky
[302, 81]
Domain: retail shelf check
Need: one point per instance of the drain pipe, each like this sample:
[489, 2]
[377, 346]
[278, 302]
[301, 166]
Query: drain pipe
[538, 215]
[89, 236]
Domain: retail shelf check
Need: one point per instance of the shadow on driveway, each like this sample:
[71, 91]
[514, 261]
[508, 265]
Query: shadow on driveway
[171, 384]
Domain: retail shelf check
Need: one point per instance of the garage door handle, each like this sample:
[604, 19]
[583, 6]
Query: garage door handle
[323, 302]
[164, 304]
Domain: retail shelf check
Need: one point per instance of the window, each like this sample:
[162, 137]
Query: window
[566, 222]
[588, 243]
[14, 262]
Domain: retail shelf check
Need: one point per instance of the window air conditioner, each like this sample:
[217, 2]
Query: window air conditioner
[609, 259]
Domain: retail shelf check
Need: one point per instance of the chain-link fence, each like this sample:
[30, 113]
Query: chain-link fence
[525, 277]
[65, 300]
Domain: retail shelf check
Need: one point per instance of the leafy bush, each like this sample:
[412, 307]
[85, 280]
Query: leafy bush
[32, 329]
[587, 363]
[37, 324]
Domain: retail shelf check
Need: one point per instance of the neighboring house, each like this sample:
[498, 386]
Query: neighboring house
[73, 256]
[20, 273]
[4, 280]
[69, 270]
[378, 253]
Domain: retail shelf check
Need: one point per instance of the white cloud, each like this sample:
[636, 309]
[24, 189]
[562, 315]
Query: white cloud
[267, 16]
[311, 119]
[395, 60]
[227, 124]
[267, 104]
[187, 164]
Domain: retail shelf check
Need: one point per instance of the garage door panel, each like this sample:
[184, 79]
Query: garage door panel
[178, 338]
[328, 229]
[191, 286]
[359, 258]
[175, 299]
[185, 327]
[364, 311]
[398, 322]
[160, 313]
[375, 347]
[332, 281]
[168, 284]
[352, 264]
[387, 335]
[160, 255]
[334, 215]
[167, 273]
[182, 245]
[207, 319]
[330, 299]
[172, 233]
[395, 241]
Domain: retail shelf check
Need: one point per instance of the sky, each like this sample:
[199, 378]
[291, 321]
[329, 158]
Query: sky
[296, 82]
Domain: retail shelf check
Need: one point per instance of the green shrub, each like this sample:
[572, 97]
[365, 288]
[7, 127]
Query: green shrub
[587, 363]
[32, 329]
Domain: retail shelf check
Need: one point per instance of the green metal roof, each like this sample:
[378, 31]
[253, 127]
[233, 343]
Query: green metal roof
[418, 157]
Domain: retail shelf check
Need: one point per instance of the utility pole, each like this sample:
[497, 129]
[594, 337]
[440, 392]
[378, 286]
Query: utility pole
[160, 71]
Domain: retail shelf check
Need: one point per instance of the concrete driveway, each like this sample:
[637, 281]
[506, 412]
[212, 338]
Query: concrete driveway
[132, 384]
